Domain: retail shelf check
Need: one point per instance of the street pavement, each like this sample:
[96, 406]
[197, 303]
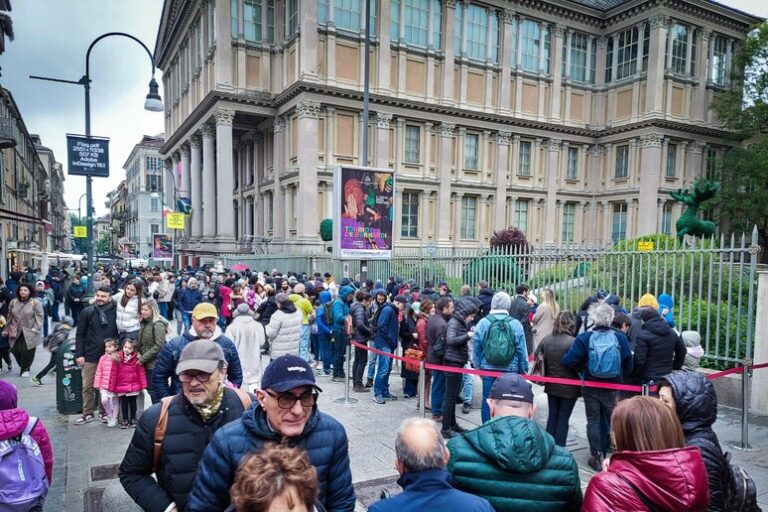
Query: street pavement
[86, 456]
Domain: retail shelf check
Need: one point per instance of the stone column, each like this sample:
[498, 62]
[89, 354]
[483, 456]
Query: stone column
[329, 135]
[196, 189]
[382, 139]
[308, 41]
[553, 157]
[656, 63]
[759, 400]
[694, 169]
[384, 63]
[185, 188]
[700, 108]
[309, 131]
[444, 157]
[278, 165]
[449, 22]
[650, 174]
[502, 159]
[249, 213]
[505, 55]
[427, 148]
[209, 184]
[225, 229]
[223, 55]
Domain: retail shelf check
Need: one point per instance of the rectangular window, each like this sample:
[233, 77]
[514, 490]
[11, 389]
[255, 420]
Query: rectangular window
[593, 61]
[627, 57]
[410, 216]
[521, 214]
[471, 150]
[712, 162]
[416, 19]
[717, 68]
[619, 227]
[671, 160]
[211, 24]
[622, 161]
[458, 24]
[252, 20]
[292, 6]
[154, 183]
[346, 14]
[646, 45]
[524, 159]
[468, 218]
[235, 21]
[579, 44]
[478, 22]
[531, 42]
[569, 220]
[412, 144]
[679, 38]
[154, 229]
[666, 219]
[609, 61]
[154, 204]
[271, 21]
[572, 171]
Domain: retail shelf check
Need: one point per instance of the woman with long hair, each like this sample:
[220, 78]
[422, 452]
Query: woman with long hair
[651, 469]
[561, 398]
[544, 320]
[128, 304]
[426, 308]
[151, 338]
[24, 329]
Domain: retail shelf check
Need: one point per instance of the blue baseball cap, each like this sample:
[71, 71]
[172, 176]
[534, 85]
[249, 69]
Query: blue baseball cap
[288, 372]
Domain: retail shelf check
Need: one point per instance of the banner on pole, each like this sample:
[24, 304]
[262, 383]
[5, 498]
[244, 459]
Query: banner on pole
[174, 221]
[162, 247]
[80, 231]
[87, 156]
[364, 211]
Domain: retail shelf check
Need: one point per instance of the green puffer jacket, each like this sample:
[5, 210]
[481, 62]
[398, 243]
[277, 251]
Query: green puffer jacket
[513, 463]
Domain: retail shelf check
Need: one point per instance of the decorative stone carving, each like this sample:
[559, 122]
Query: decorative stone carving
[503, 137]
[383, 119]
[175, 157]
[595, 152]
[706, 33]
[278, 125]
[698, 147]
[560, 30]
[554, 144]
[659, 20]
[308, 109]
[400, 123]
[258, 137]
[330, 111]
[509, 15]
[651, 140]
[447, 129]
[451, 4]
[516, 139]
[184, 149]
[194, 141]
[224, 116]
[602, 42]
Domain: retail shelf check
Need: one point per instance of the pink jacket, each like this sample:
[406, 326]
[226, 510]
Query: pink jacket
[226, 299]
[14, 421]
[130, 376]
[104, 370]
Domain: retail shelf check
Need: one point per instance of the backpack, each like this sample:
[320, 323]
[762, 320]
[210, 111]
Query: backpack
[584, 325]
[23, 482]
[740, 490]
[499, 346]
[438, 347]
[604, 355]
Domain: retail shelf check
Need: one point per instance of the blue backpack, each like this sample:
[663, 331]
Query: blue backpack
[604, 355]
[23, 483]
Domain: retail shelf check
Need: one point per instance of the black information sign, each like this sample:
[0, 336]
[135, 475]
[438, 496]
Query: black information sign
[88, 156]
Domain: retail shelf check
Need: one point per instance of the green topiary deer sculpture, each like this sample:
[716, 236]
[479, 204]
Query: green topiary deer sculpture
[690, 223]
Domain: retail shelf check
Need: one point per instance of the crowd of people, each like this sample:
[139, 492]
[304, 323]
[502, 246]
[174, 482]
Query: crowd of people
[223, 432]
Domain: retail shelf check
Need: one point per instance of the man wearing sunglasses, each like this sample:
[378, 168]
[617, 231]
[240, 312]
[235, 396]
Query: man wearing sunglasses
[286, 412]
[191, 418]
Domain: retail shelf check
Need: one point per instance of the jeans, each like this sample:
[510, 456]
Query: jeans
[163, 307]
[453, 383]
[411, 387]
[358, 367]
[466, 385]
[560, 410]
[304, 343]
[371, 362]
[50, 366]
[485, 410]
[186, 316]
[45, 325]
[55, 312]
[598, 404]
[383, 369]
[339, 348]
[314, 345]
[437, 393]
[324, 340]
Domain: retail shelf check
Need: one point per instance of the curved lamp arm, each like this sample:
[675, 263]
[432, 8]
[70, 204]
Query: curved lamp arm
[109, 34]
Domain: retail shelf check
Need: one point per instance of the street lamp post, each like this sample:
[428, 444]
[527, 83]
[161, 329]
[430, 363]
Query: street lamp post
[153, 103]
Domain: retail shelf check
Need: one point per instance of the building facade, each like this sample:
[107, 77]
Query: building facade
[571, 120]
[53, 190]
[116, 202]
[144, 196]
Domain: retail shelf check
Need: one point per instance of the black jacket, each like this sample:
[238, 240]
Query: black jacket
[436, 327]
[554, 348]
[94, 325]
[485, 296]
[362, 327]
[520, 309]
[659, 349]
[457, 334]
[185, 440]
[696, 406]
[266, 309]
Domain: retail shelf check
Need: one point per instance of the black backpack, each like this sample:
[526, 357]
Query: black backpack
[739, 490]
[438, 348]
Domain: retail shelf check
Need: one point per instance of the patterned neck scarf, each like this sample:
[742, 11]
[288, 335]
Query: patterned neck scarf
[208, 411]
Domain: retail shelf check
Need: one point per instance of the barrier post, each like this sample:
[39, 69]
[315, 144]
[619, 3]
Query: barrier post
[646, 390]
[745, 403]
[422, 388]
[347, 399]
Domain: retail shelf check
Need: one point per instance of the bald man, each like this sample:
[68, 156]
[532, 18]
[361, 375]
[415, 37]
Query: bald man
[421, 457]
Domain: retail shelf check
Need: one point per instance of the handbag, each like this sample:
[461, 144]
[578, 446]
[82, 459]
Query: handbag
[538, 365]
[11, 330]
[413, 353]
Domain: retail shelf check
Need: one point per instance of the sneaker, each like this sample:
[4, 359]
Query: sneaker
[447, 434]
[360, 389]
[124, 425]
[24, 375]
[37, 381]
[368, 383]
[457, 428]
[466, 408]
[103, 418]
[409, 396]
[390, 397]
[112, 423]
[337, 379]
[134, 423]
[595, 463]
[82, 420]
[379, 399]
[10, 367]
[322, 374]
[437, 419]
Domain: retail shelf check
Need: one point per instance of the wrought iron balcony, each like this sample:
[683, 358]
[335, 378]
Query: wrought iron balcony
[9, 133]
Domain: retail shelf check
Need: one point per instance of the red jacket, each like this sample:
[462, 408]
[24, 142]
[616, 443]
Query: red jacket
[129, 376]
[14, 421]
[673, 479]
[104, 370]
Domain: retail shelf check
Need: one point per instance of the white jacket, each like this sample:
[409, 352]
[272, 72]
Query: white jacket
[127, 317]
[284, 333]
[248, 336]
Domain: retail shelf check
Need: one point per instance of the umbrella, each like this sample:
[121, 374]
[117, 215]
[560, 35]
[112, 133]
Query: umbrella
[239, 267]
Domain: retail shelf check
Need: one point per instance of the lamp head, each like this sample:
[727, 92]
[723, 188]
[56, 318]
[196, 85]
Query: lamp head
[154, 102]
[154, 195]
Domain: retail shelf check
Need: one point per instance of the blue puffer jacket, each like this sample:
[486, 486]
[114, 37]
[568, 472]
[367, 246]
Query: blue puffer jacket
[324, 324]
[324, 440]
[165, 364]
[340, 308]
[188, 298]
[430, 490]
[387, 328]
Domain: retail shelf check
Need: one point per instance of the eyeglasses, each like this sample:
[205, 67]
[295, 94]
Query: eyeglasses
[200, 376]
[288, 401]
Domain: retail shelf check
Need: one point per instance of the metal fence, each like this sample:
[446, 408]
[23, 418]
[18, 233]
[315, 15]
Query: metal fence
[711, 281]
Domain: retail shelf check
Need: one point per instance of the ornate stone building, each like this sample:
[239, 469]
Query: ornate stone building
[570, 119]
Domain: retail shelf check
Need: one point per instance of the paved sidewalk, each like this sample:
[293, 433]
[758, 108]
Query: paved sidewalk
[86, 456]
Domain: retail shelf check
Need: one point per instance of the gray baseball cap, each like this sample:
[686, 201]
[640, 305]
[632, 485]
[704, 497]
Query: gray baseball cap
[201, 355]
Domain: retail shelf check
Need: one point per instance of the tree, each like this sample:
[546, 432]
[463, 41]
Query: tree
[742, 203]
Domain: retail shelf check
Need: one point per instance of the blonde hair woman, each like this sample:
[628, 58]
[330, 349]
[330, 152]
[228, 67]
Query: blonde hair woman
[544, 319]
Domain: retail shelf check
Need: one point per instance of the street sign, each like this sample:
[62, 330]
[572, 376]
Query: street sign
[644, 246]
[80, 231]
[174, 221]
[88, 156]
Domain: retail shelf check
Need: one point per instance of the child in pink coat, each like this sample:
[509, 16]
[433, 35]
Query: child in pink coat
[128, 382]
[103, 377]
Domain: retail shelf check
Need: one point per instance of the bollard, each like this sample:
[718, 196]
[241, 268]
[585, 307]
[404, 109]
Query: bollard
[347, 399]
[422, 388]
[745, 403]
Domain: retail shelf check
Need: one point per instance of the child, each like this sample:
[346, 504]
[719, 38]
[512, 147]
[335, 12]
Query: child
[57, 338]
[105, 370]
[129, 380]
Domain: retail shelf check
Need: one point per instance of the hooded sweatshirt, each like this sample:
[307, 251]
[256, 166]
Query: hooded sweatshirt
[324, 314]
[340, 308]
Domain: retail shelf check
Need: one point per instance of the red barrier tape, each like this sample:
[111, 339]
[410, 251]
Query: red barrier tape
[717, 375]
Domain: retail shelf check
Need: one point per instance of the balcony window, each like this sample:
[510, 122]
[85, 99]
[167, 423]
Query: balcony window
[622, 162]
[412, 144]
[671, 160]
[471, 151]
[410, 217]
[468, 218]
[524, 159]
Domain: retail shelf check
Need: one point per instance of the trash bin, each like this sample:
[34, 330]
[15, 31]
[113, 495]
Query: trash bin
[69, 381]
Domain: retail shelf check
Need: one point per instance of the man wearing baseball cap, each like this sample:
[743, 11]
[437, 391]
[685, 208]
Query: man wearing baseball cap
[286, 412]
[191, 418]
[204, 327]
[511, 460]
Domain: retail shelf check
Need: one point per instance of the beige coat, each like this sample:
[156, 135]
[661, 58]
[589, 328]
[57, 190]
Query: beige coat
[30, 316]
[543, 324]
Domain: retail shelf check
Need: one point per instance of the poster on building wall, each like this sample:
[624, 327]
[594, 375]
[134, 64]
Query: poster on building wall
[87, 156]
[364, 212]
[162, 247]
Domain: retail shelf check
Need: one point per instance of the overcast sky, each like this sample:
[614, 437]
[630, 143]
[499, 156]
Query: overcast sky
[51, 39]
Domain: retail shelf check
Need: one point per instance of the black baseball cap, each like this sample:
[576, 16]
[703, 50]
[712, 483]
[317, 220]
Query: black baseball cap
[511, 386]
[288, 372]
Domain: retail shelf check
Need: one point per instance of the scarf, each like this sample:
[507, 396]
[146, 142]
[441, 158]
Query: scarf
[208, 411]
